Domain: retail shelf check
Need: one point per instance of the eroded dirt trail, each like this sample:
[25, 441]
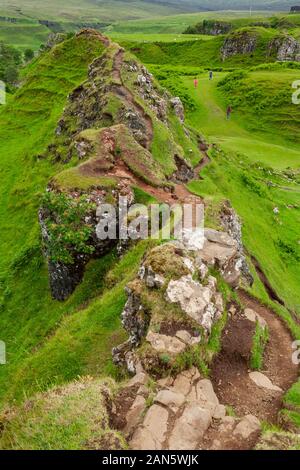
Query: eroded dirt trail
[230, 369]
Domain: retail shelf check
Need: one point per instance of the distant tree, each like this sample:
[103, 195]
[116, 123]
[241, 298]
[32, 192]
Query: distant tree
[11, 74]
[28, 55]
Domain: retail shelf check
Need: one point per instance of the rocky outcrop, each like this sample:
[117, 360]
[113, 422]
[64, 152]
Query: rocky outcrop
[173, 303]
[285, 48]
[184, 172]
[54, 39]
[239, 42]
[185, 414]
[178, 107]
[233, 226]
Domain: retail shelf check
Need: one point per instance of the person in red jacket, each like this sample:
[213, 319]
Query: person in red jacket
[228, 112]
[196, 82]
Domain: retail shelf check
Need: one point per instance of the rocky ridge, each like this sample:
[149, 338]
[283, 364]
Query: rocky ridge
[174, 301]
[108, 127]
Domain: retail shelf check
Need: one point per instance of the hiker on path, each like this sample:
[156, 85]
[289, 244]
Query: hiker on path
[228, 112]
[211, 75]
[196, 82]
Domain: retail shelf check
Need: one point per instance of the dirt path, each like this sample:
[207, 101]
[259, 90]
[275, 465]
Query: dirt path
[128, 96]
[230, 369]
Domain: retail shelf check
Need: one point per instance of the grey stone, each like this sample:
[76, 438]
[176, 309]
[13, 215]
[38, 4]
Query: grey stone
[263, 381]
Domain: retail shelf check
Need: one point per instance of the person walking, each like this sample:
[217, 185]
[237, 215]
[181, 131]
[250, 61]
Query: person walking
[196, 82]
[228, 112]
[211, 75]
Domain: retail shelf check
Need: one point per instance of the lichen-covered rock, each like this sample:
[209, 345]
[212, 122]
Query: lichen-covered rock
[69, 224]
[279, 440]
[195, 300]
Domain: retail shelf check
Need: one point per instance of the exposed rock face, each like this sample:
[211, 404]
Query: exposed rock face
[175, 276]
[241, 42]
[202, 303]
[263, 381]
[272, 440]
[185, 415]
[232, 224]
[157, 102]
[215, 28]
[286, 48]
[54, 39]
[210, 27]
[185, 171]
[65, 276]
[178, 108]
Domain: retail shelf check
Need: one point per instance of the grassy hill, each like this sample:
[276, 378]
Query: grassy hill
[254, 163]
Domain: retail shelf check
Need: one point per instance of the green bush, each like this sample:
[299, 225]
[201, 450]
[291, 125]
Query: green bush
[67, 229]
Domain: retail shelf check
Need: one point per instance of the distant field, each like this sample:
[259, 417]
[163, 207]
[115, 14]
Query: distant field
[23, 35]
[137, 23]
[178, 23]
[155, 37]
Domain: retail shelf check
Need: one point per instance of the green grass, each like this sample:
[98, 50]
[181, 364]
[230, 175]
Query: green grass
[291, 401]
[24, 34]
[65, 418]
[83, 10]
[28, 122]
